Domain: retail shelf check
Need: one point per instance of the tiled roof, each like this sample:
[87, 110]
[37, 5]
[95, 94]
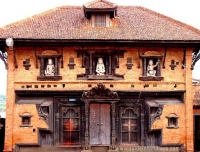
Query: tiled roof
[69, 22]
[100, 4]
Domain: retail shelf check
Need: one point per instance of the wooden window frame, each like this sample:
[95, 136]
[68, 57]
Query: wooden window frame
[111, 62]
[145, 60]
[26, 117]
[123, 110]
[101, 20]
[172, 122]
[43, 60]
[77, 111]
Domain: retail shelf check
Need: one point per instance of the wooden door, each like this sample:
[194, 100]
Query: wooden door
[197, 133]
[99, 124]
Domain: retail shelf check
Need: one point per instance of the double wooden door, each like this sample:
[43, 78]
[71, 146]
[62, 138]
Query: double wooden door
[99, 124]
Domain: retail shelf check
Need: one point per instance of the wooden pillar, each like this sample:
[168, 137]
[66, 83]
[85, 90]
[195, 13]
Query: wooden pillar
[56, 133]
[56, 66]
[110, 67]
[86, 124]
[142, 124]
[42, 67]
[144, 67]
[158, 68]
[113, 125]
[90, 63]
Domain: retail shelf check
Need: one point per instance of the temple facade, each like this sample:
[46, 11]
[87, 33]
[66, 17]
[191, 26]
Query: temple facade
[99, 78]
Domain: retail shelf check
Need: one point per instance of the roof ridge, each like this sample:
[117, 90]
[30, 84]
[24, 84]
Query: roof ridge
[14, 24]
[170, 19]
[95, 1]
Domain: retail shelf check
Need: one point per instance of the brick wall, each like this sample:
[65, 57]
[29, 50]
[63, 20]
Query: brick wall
[19, 78]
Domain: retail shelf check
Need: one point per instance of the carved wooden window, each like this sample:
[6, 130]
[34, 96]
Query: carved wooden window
[172, 121]
[70, 125]
[100, 20]
[151, 70]
[109, 61]
[129, 126]
[49, 65]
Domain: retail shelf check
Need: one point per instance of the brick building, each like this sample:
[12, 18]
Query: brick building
[99, 77]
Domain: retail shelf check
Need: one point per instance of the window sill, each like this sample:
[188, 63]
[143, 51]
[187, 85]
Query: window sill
[100, 77]
[172, 127]
[26, 126]
[149, 78]
[49, 78]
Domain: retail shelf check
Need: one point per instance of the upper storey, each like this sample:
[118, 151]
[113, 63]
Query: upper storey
[100, 20]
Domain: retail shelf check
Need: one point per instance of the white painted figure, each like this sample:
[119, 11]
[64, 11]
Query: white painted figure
[150, 68]
[50, 69]
[100, 68]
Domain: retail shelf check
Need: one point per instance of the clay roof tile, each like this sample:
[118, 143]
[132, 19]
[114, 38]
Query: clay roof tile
[69, 22]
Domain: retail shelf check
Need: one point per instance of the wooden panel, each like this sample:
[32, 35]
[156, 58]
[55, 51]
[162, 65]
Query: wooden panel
[94, 124]
[105, 124]
[99, 124]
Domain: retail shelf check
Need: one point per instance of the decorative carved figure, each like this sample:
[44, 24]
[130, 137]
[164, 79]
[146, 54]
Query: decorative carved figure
[150, 68]
[50, 69]
[100, 68]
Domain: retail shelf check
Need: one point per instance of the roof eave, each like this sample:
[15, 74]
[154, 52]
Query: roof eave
[82, 42]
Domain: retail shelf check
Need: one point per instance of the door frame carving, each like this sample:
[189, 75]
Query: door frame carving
[100, 94]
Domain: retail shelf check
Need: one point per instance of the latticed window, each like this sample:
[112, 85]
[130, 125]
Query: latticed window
[70, 125]
[129, 126]
[101, 20]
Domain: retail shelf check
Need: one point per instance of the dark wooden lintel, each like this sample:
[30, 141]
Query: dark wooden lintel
[49, 56]
[49, 78]
[149, 78]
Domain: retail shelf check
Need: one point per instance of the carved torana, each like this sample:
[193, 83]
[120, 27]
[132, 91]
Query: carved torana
[100, 91]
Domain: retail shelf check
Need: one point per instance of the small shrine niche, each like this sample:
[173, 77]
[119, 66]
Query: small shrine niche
[100, 64]
[172, 121]
[49, 65]
[151, 70]
[26, 120]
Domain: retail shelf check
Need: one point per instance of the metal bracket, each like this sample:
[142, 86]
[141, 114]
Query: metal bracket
[4, 57]
[195, 57]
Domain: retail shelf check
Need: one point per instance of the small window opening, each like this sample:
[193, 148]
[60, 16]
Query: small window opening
[172, 121]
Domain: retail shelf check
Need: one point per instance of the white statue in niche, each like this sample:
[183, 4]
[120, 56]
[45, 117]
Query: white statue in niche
[100, 68]
[150, 68]
[50, 69]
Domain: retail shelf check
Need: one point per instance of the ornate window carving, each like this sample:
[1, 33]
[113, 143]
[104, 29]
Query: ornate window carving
[151, 66]
[26, 120]
[70, 125]
[172, 121]
[49, 65]
[129, 125]
[100, 64]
